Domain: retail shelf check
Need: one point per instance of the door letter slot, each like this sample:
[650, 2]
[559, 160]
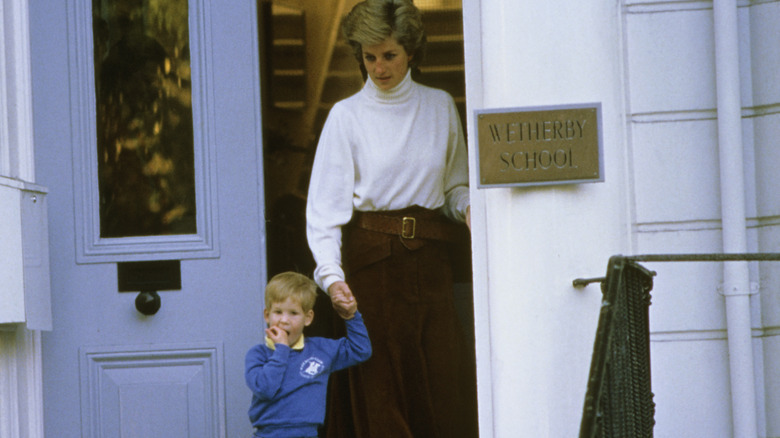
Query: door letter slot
[148, 278]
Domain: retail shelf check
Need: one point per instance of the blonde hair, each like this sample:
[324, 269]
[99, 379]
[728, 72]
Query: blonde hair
[291, 285]
[372, 21]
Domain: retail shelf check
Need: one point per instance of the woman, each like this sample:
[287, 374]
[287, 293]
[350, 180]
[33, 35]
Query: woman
[391, 163]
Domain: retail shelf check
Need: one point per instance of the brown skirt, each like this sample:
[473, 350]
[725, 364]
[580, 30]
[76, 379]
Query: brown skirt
[420, 379]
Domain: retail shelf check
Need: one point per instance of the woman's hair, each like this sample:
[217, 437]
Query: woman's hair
[291, 285]
[372, 21]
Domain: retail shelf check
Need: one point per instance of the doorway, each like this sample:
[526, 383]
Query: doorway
[306, 67]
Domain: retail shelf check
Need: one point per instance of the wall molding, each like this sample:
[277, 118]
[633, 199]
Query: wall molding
[701, 225]
[708, 335]
[688, 336]
[761, 111]
[695, 115]
[654, 7]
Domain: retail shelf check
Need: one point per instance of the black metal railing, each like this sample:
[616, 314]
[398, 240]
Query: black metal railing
[619, 398]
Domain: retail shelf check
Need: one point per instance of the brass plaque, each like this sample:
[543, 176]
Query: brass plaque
[540, 145]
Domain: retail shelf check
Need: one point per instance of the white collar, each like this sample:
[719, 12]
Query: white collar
[400, 93]
[298, 344]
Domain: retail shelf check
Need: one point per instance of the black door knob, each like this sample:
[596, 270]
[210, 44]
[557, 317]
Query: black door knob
[148, 302]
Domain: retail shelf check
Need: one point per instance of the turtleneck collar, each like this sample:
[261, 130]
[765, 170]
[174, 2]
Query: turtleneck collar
[400, 93]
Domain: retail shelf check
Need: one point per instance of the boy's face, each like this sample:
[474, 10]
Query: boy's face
[289, 316]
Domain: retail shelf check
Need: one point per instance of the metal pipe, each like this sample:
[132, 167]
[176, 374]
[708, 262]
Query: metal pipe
[736, 278]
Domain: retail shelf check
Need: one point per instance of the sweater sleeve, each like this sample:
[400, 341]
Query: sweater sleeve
[355, 347]
[329, 201]
[456, 190]
[264, 372]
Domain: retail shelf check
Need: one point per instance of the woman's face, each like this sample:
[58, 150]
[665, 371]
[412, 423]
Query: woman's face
[386, 63]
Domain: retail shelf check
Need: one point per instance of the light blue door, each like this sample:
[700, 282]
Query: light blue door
[108, 369]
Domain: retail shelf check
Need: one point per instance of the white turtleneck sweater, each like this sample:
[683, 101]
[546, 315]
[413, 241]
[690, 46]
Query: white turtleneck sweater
[384, 150]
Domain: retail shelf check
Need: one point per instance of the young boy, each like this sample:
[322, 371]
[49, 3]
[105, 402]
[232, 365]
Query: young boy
[288, 375]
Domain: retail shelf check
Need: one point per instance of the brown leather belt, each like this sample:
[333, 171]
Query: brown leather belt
[408, 225]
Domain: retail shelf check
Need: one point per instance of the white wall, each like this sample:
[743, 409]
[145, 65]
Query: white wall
[674, 133]
[674, 130]
[651, 65]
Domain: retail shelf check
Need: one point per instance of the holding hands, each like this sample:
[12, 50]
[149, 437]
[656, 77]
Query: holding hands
[343, 301]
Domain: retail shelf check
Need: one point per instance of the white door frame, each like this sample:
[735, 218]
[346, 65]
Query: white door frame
[472, 37]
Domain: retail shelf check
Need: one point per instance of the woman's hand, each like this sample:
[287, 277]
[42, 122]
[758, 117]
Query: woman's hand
[343, 301]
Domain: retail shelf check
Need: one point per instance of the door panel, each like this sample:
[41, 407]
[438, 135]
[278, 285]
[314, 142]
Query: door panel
[165, 392]
[108, 370]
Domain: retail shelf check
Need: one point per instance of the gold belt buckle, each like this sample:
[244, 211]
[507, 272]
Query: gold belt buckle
[408, 220]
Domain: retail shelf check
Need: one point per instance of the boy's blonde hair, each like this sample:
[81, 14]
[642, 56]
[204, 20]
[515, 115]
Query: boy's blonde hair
[291, 285]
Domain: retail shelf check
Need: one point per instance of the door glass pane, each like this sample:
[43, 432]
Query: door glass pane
[146, 169]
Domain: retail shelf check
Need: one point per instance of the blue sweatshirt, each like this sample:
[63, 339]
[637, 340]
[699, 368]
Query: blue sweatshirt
[289, 386]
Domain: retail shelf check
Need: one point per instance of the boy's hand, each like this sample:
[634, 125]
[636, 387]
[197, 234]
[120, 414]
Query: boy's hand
[343, 301]
[277, 335]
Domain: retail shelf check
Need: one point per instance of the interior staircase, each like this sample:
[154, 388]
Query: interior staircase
[297, 112]
[288, 58]
[444, 65]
